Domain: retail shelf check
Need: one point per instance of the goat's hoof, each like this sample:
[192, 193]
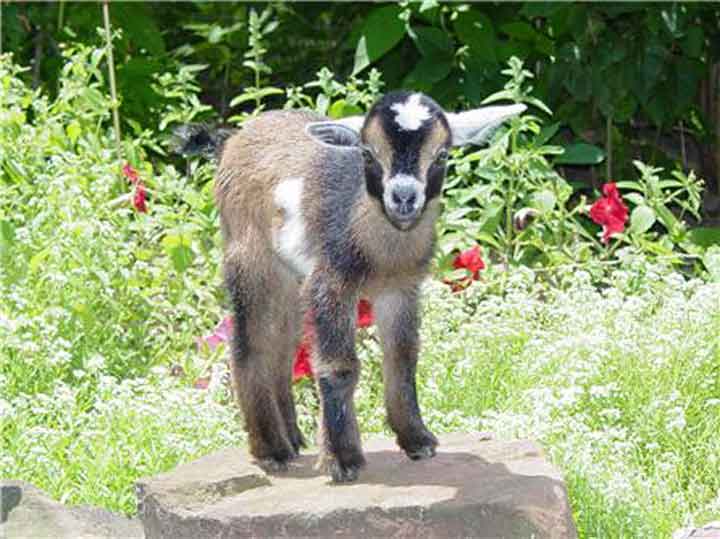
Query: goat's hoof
[421, 446]
[272, 465]
[341, 470]
[425, 452]
[344, 474]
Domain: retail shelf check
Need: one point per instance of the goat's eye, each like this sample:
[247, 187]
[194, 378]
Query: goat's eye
[441, 158]
[368, 156]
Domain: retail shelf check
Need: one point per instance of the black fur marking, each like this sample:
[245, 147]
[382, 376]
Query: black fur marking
[200, 139]
[373, 176]
[334, 411]
[240, 306]
[342, 172]
[334, 322]
[435, 180]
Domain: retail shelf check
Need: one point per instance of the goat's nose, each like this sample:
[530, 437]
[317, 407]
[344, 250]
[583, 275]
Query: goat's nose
[404, 198]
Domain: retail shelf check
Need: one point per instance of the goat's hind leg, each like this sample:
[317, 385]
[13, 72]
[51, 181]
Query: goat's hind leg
[285, 360]
[255, 370]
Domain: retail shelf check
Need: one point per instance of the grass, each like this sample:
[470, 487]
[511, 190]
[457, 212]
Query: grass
[101, 307]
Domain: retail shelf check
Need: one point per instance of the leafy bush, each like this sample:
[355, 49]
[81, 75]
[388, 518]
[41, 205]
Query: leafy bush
[90, 275]
[511, 198]
[650, 96]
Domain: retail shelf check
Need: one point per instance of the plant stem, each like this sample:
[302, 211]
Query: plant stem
[61, 15]
[608, 144]
[111, 73]
[0, 26]
[510, 198]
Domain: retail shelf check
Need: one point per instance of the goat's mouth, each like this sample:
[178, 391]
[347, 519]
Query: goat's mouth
[403, 223]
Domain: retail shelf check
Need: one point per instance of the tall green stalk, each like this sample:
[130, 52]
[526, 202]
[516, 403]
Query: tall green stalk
[61, 15]
[111, 73]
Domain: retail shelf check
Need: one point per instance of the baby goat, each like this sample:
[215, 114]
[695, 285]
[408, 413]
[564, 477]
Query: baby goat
[315, 214]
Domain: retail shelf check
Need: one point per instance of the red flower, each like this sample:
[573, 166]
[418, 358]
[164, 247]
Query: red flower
[471, 261]
[130, 173]
[302, 366]
[609, 211]
[365, 314]
[139, 197]
[140, 193]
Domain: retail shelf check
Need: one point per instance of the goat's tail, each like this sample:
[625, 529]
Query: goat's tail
[201, 139]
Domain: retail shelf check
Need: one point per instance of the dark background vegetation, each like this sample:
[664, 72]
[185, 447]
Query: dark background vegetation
[637, 80]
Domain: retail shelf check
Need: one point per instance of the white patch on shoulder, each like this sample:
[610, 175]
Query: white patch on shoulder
[411, 114]
[290, 241]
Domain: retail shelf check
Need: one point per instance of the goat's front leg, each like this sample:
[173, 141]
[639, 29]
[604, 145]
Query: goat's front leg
[333, 307]
[398, 321]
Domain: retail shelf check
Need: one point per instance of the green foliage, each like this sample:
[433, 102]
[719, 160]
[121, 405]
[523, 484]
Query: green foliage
[510, 197]
[259, 27]
[76, 255]
[643, 98]
[380, 32]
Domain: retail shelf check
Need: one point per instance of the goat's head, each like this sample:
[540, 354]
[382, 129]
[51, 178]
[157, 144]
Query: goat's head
[405, 140]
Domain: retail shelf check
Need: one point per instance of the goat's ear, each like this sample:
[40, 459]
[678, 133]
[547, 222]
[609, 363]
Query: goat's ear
[344, 132]
[475, 126]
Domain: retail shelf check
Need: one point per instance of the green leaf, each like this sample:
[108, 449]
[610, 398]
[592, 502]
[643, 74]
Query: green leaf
[543, 200]
[667, 218]
[432, 42]
[341, 109]
[7, 232]
[642, 219]
[635, 198]
[694, 41]
[178, 248]
[476, 31]
[255, 94]
[629, 185]
[426, 72]
[38, 259]
[581, 154]
[519, 30]
[704, 236]
[546, 133]
[7, 236]
[492, 215]
[73, 131]
[215, 34]
[535, 102]
[381, 31]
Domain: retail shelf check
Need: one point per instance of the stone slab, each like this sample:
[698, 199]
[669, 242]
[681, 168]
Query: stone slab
[472, 488]
[26, 512]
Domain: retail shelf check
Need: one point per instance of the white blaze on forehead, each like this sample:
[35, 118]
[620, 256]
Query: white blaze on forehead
[289, 239]
[411, 114]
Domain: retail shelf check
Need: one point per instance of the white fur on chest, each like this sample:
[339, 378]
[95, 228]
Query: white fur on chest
[290, 240]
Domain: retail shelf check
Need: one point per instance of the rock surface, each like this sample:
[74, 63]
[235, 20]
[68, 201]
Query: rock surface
[26, 512]
[472, 488]
[708, 531]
